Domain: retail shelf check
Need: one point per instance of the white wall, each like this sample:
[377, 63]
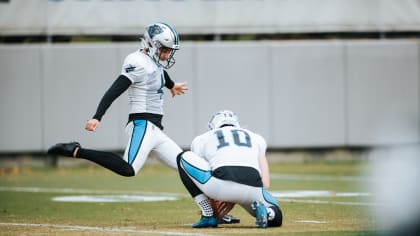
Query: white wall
[116, 17]
[294, 93]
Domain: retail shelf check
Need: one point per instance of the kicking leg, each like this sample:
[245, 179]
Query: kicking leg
[166, 149]
[108, 160]
[135, 153]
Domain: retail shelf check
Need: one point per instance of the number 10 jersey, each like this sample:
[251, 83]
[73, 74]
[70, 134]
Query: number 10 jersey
[230, 146]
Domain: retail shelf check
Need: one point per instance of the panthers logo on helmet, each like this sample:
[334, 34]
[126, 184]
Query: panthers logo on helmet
[154, 30]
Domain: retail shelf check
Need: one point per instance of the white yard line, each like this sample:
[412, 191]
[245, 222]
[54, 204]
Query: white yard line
[316, 193]
[81, 191]
[318, 178]
[328, 202]
[99, 229]
[113, 198]
[311, 221]
[282, 196]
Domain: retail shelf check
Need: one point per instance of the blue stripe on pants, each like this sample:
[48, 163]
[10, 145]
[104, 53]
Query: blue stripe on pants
[269, 198]
[136, 139]
[201, 176]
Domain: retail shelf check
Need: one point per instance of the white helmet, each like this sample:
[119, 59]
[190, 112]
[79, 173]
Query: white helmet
[159, 35]
[222, 118]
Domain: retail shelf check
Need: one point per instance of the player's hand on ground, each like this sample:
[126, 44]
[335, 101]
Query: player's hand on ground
[179, 89]
[91, 124]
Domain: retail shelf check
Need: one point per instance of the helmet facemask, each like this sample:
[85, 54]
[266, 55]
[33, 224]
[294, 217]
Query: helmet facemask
[168, 63]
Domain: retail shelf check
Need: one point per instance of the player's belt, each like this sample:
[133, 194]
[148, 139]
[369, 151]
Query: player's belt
[156, 119]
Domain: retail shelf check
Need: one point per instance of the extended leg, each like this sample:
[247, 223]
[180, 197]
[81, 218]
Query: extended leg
[108, 160]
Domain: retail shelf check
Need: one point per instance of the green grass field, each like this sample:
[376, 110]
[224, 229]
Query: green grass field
[27, 208]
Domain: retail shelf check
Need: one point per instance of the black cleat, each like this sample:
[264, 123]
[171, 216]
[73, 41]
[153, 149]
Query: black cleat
[229, 219]
[64, 149]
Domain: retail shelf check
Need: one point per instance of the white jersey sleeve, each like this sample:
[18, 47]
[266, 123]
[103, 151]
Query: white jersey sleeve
[145, 94]
[133, 68]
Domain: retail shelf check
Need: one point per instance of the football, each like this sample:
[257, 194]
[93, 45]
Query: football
[221, 208]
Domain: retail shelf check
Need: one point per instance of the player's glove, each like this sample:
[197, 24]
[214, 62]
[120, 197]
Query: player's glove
[220, 208]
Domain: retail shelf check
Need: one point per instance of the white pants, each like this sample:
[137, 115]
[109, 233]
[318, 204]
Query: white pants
[145, 137]
[199, 171]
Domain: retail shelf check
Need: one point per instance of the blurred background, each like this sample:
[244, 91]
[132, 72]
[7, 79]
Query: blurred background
[304, 73]
[308, 75]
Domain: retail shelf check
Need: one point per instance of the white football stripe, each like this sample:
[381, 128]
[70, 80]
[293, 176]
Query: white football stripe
[99, 229]
[81, 191]
[328, 202]
[283, 196]
[317, 178]
[113, 198]
[316, 193]
[311, 221]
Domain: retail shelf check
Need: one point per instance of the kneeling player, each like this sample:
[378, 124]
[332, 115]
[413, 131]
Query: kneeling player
[232, 168]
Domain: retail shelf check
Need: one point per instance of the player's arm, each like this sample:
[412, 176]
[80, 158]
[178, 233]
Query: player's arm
[169, 83]
[176, 88]
[120, 85]
[262, 160]
[265, 173]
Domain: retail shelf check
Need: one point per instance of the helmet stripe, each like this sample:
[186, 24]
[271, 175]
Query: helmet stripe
[173, 32]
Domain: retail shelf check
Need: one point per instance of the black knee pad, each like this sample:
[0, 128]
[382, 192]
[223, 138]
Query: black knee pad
[178, 158]
[278, 219]
[188, 183]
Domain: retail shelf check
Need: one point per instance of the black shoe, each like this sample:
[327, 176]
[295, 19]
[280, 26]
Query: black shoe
[64, 149]
[229, 219]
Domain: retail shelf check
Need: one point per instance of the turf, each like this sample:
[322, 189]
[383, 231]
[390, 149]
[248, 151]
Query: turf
[24, 212]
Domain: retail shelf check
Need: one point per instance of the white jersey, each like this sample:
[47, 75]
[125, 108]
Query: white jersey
[145, 94]
[230, 146]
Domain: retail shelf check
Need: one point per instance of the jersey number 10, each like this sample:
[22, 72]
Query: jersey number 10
[245, 142]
